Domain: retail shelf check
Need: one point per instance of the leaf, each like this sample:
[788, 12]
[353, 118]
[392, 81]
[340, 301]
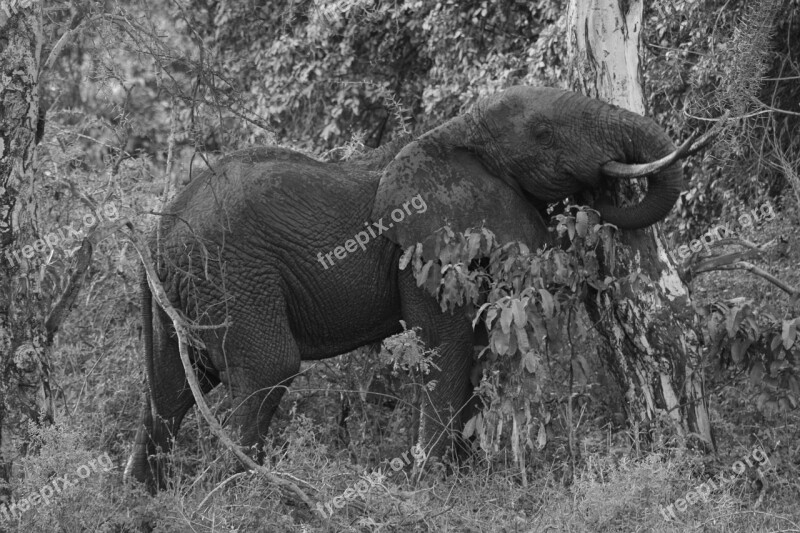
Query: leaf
[582, 223]
[732, 323]
[487, 240]
[788, 333]
[756, 373]
[473, 245]
[529, 361]
[422, 276]
[512, 343]
[520, 318]
[446, 255]
[547, 303]
[479, 313]
[418, 257]
[490, 316]
[522, 339]
[738, 349]
[541, 440]
[562, 272]
[570, 224]
[500, 342]
[506, 316]
[405, 259]
[775, 344]
[469, 427]
[432, 284]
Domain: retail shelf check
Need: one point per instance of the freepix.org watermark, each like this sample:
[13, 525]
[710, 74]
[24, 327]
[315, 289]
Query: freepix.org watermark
[719, 232]
[363, 486]
[60, 238]
[702, 491]
[10, 511]
[362, 237]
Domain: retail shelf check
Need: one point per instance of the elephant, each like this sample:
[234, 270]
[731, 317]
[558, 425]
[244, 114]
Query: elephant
[283, 258]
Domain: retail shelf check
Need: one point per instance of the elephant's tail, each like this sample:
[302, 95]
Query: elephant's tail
[146, 301]
[137, 466]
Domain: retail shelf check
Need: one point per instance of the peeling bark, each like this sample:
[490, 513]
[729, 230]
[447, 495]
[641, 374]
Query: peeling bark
[605, 35]
[649, 334]
[24, 386]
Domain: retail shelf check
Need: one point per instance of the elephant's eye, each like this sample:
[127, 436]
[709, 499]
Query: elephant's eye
[542, 133]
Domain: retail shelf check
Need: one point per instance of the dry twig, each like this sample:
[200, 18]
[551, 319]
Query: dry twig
[182, 332]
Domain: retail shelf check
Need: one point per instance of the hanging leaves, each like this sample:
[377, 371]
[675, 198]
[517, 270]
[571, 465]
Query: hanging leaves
[523, 298]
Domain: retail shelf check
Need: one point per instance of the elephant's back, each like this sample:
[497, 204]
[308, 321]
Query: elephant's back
[240, 175]
[280, 202]
[268, 185]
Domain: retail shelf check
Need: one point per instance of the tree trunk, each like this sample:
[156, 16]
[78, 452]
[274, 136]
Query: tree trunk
[24, 390]
[648, 331]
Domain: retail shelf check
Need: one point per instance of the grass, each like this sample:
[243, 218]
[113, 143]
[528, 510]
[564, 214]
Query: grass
[612, 489]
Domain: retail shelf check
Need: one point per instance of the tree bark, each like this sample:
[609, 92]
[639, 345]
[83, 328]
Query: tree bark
[648, 331]
[24, 389]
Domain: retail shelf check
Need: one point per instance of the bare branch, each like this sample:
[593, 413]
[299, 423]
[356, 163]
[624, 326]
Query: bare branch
[733, 262]
[717, 263]
[615, 169]
[60, 310]
[697, 264]
[182, 332]
[77, 24]
[62, 307]
[743, 265]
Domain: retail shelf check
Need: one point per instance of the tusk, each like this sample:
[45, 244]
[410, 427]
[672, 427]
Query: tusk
[615, 169]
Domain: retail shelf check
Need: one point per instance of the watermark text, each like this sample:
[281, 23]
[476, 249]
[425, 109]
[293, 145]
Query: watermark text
[12, 509]
[362, 237]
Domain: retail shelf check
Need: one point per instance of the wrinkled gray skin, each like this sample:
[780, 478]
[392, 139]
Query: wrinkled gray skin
[264, 214]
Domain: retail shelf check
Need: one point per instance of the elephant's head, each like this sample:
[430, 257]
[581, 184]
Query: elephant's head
[525, 142]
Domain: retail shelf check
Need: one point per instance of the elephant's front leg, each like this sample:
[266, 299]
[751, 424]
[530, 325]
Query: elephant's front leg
[452, 336]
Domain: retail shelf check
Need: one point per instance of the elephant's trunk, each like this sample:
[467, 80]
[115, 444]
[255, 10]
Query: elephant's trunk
[641, 140]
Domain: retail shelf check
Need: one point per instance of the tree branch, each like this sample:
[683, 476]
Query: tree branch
[699, 265]
[735, 261]
[182, 332]
[62, 307]
[744, 265]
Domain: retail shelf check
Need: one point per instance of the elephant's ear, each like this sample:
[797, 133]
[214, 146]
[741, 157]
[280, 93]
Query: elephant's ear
[431, 183]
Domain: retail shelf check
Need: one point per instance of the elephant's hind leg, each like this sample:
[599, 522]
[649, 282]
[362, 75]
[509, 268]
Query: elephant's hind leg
[261, 361]
[166, 402]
